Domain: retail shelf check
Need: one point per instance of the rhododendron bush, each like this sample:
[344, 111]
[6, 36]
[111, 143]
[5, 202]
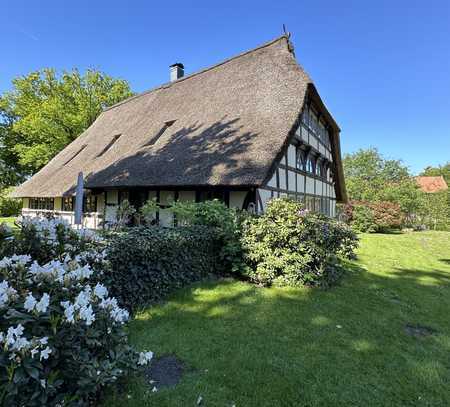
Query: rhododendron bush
[62, 337]
[291, 246]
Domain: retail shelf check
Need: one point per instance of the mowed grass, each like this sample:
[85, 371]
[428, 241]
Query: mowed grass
[347, 346]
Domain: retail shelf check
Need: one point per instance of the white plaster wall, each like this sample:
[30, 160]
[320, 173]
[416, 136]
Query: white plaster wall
[165, 216]
[100, 203]
[291, 180]
[319, 188]
[112, 199]
[313, 141]
[265, 197]
[273, 181]
[186, 196]
[282, 175]
[291, 156]
[309, 185]
[333, 208]
[237, 199]
[304, 134]
[300, 183]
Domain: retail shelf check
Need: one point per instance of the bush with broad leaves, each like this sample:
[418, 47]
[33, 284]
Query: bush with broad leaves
[62, 338]
[288, 245]
[373, 217]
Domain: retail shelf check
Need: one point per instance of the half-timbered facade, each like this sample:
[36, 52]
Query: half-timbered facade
[243, 131]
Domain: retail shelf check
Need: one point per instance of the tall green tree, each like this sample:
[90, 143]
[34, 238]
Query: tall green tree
[436, 206]
[45, 111]
[371, 177]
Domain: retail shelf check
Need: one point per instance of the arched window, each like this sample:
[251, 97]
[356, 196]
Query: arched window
[305, 116]
[310, 165]
[326, 138]
[319, 168]
[330, 175]
[300, 160]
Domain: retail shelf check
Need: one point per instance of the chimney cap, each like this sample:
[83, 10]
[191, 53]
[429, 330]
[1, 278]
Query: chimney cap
[177, 64]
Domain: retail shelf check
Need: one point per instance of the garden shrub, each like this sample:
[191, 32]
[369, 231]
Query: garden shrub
[146, 263]
[225, 222]
[434, 212]
[9, 206]
[373, 216]
[62, 338]
[387, 215]
[49, 239]
[289, 245]
[362, 219]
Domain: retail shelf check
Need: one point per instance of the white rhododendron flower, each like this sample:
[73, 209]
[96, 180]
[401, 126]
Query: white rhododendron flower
[100, 291]
[118, 314]
[87, 314]
[45, 353]
[43, 304]
[30, 302]
[14, 261]
[145, 357]
[6, 293]
[69, 311]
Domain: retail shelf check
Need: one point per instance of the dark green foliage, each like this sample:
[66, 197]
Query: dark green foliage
[224, 222]
[292, 246]
[148, 263]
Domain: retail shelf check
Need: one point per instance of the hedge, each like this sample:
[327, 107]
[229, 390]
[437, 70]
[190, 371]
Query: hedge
[146, 263]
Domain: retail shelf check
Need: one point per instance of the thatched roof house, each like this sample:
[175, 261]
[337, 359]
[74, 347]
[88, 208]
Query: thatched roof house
[244, 130]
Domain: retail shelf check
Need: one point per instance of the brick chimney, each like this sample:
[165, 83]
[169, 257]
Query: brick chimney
[176, 71]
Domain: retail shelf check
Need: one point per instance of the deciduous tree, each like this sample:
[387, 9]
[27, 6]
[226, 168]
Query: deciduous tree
[45, 111]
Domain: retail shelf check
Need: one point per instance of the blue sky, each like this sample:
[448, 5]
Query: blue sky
[382, 67]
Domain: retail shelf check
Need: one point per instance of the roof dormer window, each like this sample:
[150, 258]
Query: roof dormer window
[109, 145]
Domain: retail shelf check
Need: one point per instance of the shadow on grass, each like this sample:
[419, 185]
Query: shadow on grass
[299, 345]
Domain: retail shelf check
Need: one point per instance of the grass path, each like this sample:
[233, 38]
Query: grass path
[346, 346]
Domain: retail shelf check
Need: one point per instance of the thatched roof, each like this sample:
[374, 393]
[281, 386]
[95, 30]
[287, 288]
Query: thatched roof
[432, 184]
[222, 126]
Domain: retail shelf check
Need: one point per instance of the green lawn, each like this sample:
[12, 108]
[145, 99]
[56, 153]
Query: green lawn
[309, 347]
[8, 221]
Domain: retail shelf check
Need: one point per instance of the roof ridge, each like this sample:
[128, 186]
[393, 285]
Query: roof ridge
[201, 71]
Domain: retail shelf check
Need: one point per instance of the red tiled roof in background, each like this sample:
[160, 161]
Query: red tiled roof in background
[432, 184]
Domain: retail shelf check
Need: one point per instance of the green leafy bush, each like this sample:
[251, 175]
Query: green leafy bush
[289, 245]
[373, 216]
[62, 338]
[362, 219]
[435, 211]
[224, 222]
[124, 215]
[9, 206]
[148, 263]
